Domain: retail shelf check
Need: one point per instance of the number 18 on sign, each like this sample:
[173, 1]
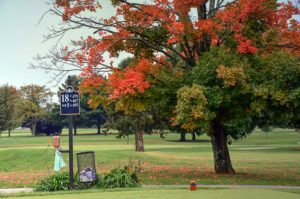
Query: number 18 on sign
[69, 102]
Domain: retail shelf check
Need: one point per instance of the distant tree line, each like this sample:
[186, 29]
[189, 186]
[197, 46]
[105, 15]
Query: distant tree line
[32, 106]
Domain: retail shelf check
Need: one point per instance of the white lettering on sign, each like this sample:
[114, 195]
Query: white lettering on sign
[70, 102]
[65, 98]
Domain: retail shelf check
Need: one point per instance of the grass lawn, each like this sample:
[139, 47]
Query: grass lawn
[259, 159]
[170, 193]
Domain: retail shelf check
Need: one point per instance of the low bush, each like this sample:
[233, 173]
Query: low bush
[125, 177]
[60, 182]
[56, 182]
[119, 178]
[128, 176]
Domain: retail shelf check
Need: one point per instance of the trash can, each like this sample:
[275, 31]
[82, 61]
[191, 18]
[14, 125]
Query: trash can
[86, 166]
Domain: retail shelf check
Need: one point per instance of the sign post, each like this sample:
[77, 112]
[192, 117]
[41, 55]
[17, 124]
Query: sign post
[71, 166]
[69, 106]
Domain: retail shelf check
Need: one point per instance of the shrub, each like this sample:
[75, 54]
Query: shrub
[56, 182]
[135, 169]
[60, 182]
[128, 176]
[119, 178]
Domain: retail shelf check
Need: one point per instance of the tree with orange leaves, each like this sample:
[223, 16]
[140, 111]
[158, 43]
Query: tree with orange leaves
[174, 33]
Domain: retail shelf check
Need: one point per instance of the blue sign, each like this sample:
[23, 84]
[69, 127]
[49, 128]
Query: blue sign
[69, 102]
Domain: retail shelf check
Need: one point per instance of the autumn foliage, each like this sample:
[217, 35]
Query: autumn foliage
[164, 33]
[127, 32]
[217, 53]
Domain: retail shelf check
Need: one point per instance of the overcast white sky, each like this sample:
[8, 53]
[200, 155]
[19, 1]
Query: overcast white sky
[21, 39]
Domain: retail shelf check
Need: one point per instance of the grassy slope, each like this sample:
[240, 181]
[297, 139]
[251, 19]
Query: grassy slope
[258, 159]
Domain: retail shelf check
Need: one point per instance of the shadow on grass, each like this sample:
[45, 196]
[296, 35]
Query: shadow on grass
[190, 141]
[267, 149]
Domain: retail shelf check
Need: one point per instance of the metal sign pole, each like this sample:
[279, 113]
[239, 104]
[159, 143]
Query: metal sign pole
[71, 171]
[69, 106]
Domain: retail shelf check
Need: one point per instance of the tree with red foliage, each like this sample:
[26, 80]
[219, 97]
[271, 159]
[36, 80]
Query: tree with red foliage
[169, 33]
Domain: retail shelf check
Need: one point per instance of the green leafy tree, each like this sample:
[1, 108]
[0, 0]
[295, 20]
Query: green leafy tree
[232, 94]
[153, 109]
[34, 103]
[9, 99]
[54, 116]
[92, 116]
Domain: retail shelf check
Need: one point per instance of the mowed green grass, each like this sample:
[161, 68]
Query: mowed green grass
[259, 159]
[171, 193]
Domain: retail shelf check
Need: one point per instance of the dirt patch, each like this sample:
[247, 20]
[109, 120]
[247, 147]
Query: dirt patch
[160, 174]
[25, 178]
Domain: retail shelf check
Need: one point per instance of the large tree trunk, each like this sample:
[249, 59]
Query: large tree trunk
[222, 160]
[139, 140]
[194, 136]
[98, 126]
[161, 134]
[182, 137]
[33, 127]
[9, 132]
